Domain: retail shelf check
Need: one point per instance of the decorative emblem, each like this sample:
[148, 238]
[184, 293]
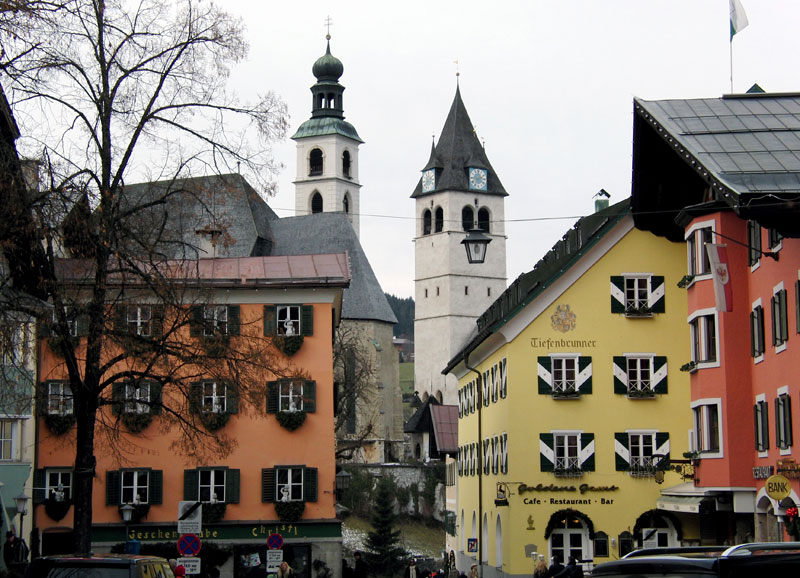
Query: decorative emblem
[722, 273]
[530, 523]
[563, 319]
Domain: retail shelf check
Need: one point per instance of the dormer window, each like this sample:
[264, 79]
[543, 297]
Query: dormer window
[315, 163]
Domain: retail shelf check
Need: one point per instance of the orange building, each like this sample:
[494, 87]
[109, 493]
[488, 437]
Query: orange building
[724, 174]
[278, 477]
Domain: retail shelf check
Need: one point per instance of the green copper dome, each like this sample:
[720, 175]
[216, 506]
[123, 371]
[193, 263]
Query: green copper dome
[328, 67]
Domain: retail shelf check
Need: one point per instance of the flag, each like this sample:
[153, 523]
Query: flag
[738, 17]
[718, 259]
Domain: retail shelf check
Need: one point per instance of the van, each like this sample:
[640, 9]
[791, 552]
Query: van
[99, 566]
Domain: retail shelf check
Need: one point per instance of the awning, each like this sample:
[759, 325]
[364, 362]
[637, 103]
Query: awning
[686, 504]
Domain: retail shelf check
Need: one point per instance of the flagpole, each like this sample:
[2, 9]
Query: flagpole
[730, 47]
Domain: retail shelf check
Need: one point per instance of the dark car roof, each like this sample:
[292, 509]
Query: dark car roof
[103, 558]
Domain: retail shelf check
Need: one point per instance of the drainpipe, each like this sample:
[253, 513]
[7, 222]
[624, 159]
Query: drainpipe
[480, 466]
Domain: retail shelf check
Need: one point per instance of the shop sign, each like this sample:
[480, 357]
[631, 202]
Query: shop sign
[778, 487]
[763, 472]
[789, 468]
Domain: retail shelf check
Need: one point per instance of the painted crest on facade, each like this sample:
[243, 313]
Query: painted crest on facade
[563, 319]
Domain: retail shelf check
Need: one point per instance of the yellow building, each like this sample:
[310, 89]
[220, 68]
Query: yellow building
[572, 407]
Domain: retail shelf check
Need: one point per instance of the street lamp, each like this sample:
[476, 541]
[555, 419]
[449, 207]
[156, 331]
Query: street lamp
[475, 243]
[22, 509]
[127, 513]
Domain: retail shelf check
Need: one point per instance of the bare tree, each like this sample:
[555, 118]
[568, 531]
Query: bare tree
[104, 91]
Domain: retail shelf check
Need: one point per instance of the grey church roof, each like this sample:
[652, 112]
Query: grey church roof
[458, 148]
[326, 125]
[333, 233]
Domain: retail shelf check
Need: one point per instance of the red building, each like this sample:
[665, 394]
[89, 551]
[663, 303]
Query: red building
[726, 172]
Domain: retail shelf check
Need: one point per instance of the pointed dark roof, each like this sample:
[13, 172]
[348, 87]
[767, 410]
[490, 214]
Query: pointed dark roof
[458, 148]
[421, 421]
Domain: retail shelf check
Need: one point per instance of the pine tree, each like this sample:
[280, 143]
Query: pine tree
[385, 556]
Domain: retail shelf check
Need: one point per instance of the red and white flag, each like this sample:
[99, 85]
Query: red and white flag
[718, 259]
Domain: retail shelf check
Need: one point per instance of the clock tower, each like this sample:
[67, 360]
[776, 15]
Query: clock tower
[457, 191]
[327, 148]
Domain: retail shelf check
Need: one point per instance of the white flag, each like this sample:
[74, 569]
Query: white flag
[738, 17]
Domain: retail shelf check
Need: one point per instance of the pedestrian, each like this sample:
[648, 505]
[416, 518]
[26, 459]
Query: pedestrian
[360, 567]
[473, 571]
[540, 570]
[573, 570]
[285, 571]
[180, 571]
[347, 571]
[15, 554]
[411, 570]
[556, 568]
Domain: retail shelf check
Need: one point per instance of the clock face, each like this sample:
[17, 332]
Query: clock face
[477, 179]
[428, 181]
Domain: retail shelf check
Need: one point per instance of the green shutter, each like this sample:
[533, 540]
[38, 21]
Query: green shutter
[234, 320]
[662, 439]
[120, 317]
[788, 423]
[195, 397]
[753, 334]
[765, 424]
[657, 304]
[268, 485]
[191, 485]
[545, 375]
[755, 426]
[784, 310]
[587, 465]
[272, 397]
[310, 396]
[620, 374]
[39, 486]
[545, 463]
[232, 482]
[269, 320]
[773, 303]
[196, 320]
[622, 461]
[156, 402]
[617, 294]
[157, 321]
[584, 363]
[659, 375]
[310, 484]
[232, 398]
[307, 320]
[156, 486]
[117, 397]
[113, 488]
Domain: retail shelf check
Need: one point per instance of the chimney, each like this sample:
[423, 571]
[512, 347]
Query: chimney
[601, 201]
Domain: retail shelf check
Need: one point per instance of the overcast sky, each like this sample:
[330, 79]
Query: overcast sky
[549, 86]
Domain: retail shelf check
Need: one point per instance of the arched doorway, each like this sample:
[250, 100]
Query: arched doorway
[569, 533]
[657, 529]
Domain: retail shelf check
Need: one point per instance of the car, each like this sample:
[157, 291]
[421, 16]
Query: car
[742, 561]
[99, 566]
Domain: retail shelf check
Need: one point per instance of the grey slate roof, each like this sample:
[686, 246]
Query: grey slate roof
[458, 148]
[333, 233]
[750, 143]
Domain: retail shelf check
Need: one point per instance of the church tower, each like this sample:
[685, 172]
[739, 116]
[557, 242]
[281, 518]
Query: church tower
[457, 190]
[327, 148]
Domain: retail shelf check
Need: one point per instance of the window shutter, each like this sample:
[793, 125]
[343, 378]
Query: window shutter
[156, 486]
[268, 485]
[196, 320]
[487, 457]
[472, 389]
[774, 302]
[485, 384]
[156, 404]
[753, 334]
[546, 454]
[158, 321]
[269, 320]
[113, 488]
[307, 320]
[622, 454]
[620, 374]
[232, 482]
[310, 484]
[587, 452]
[662, 445]
[765, 424]
[495, 383]
[784, 318]
[545, 377]
[656, 296]
[759, 446]
[460, 403]
[272, 397]
[617, 294]
[117, 397]
[234, 320]
[459, 461]
[195, 397]
[788, 410]
[310, 396]
[503, 379]
[585, 374]
[659, 377]
[495, 454]
[504, 453]
[231, 398]
[39, 486]
[120, 317]
[191, 485]
[797, 305]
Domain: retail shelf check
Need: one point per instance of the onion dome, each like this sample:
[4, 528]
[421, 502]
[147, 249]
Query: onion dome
[328, 67]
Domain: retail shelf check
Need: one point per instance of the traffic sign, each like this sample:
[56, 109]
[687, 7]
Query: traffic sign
[190, 565]
[189, 545]
[472, 544]
[190, 517]
[275, 542]
[274, 559]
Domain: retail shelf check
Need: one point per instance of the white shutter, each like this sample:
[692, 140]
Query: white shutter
[486, 384]
[495, 383]
[487, 457]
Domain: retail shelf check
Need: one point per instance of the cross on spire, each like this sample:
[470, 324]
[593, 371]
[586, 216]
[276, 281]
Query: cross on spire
[328, 22]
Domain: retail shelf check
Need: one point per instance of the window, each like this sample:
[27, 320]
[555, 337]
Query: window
[77, 323]
[705, 236]
[565, 370]
[566, 452]
[13, 347]
[215, 320]
[316, 203]
[346, 203]
[214, 398]
[135, 487]
[9, 447]
[483, 220]
[291, 395]
[315, 163]
[140, 319]
[439, 223]
[637, 295]
[691, 254]
[641, 448]
[774, 239]
[757, 331]
[59, 398]
[706, 435]
[761, 422]
[289, 484]
[704, 338]
[753, 243]
[783, 421]
[212, 486]
[564, 376]
[346, 164]
[639, 452]
[59, 485]
[467, 218]
[426, 222]
[137, 397]
[289, 320]
[780, 317]
[640, 374]
[601, 545]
